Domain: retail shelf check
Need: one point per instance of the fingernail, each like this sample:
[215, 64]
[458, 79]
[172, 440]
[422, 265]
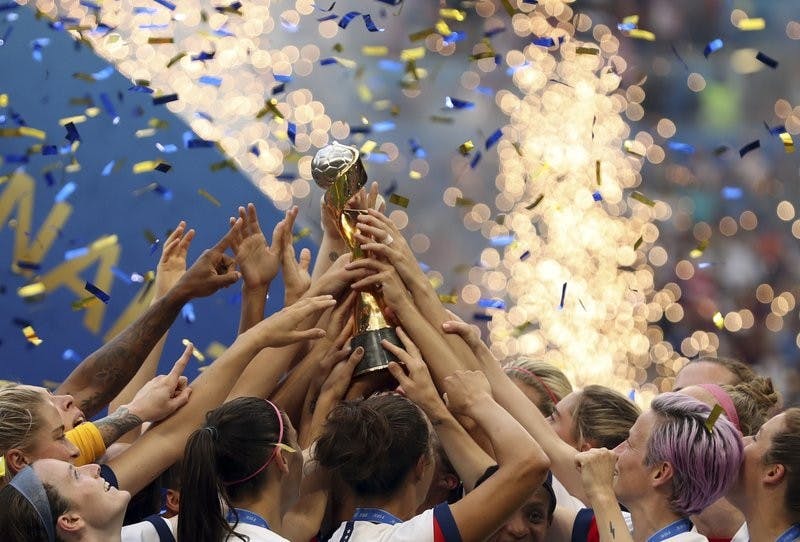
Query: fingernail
[359, 350]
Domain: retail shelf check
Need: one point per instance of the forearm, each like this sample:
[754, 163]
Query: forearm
[329, 251]
[467, 458]
[561, 454]
[611, 525]
[253, 302]
[163, 444]
[291, 393]
[104, 373]
[114, 426]
[262, 375]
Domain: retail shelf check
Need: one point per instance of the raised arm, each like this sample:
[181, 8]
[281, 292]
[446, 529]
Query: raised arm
[163, 444]
[383, 239]
[258, 262]
[103, 374]
[561, 454]
[522, 465]
[467, 458]
[596, 468]
[171, 267]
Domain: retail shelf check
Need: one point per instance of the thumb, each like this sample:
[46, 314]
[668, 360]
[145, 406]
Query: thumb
[223, 281]
[181, 399]
[305, 259]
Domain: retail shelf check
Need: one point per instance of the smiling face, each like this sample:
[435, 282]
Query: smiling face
[529, 523]
[632, 476]
[93, 503]
[49, 442]
[562, 420]
[71, 415]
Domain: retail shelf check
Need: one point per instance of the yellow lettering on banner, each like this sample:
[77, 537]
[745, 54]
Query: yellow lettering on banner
[139, 303]
[19, 193]
[68, 274]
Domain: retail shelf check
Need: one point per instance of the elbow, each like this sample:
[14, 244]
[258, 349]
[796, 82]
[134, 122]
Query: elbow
[534, 465]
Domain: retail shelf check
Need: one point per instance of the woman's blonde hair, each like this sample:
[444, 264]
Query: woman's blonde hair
[755, 401]
[548, 381]
[20, 419]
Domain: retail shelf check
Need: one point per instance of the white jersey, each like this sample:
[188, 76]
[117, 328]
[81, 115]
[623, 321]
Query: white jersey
[742, 535]
[435, 525]
[689, 536]
[158, 529]
[152, 529]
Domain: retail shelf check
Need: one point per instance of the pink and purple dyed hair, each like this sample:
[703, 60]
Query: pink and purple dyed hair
[705, 463]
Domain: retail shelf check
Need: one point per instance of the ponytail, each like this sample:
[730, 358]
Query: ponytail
[201, 516]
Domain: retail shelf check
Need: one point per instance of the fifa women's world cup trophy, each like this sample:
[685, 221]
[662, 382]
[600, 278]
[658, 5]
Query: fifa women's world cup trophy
[338, 170]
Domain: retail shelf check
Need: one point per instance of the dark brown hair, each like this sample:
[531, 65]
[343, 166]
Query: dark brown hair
[785, 450]
[372, 444]
[19, 520]
[235, 442]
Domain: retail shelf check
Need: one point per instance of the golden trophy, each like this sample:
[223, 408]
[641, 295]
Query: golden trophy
[338, 170]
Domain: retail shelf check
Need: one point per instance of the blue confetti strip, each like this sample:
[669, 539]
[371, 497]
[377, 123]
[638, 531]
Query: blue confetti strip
[187, 313]
[454, 37]
[493, 32]
[76, 253]
[160, 100]
[329, 17]
[384, 126]
[712, 47]
[777, 130]
[764, 59]
[732, 192]
[369, 24]
[416, 148]
[475, 160]
[169, 5]
[282, 78]
[140, 88]
[482, 317]
[291, 130]
[97, 292]
[487, 303]
[70, 355]
[72, 132]
[109, 107]
[679, 57]
[28, 265]
[753, 145]
[455, 103]
[563, 296]
[492, 139]
[49, 149]
[209, 80]
[65, 192]
[525, 255]
[147, 11]
[626, 27]
[347, 18]
[122, 275]
[154, 246]
[90, 5]
[681, 147]
[501, 240]
[389, 65]
[597, 196]
[169, 148]
[103, 74]
[202, 56]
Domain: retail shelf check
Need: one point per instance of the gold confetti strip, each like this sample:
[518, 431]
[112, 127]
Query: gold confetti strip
[215, 349]
[421, 35]
[3, 100]
[145, 166]
[414, 53]
[757, 23]
[160, 41]
[270, 106]
[713, 417]
[788, 142]
[641, 198]
[209, 197]
[302, 234]
[587, 51]
[631, 19]
[442, 119]
[32, 132]
[92, 112]
[374, 50]
[81, 304]
[77, 119]
[632, 147]
[638, 243]
[415, 175]
[442, 28]
[31, 290]
[399, 200]
[511, 10]
[466, 147]
[535, 203]
[455, 14]
[597, 172]
[639, 34]
[464, 202]
[450, 299]
[158, 124]
[30, 334]
[175, 59]
[145, 132]
[195, 351]
[718, 320]
[368, 147]
[698, 250]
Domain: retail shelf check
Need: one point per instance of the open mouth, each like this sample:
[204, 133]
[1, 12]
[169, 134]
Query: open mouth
[106, 486]
[79, 420]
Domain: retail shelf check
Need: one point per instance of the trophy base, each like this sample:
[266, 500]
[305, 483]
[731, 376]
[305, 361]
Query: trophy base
[376, 357]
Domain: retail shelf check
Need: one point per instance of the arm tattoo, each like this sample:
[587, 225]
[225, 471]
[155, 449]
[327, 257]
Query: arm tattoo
[611, 528]
[103, 374]
[333, 255]
[112, 427]
[312, 405]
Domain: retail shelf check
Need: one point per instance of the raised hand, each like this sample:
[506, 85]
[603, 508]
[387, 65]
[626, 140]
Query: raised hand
[417, 383]
[212, 271]
[471, 335]
[337, 278]
[258, 262]
[463, 390]
[164, 394]
[382, 278]
[172, 264]
[286, 326]
[378, 234]
[338, 367]
[597, 467]
[296, 278]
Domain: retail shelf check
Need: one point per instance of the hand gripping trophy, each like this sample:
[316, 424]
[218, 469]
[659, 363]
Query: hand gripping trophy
[338, 170]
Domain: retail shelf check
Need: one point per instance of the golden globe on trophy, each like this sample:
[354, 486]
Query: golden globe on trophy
[338, 170]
